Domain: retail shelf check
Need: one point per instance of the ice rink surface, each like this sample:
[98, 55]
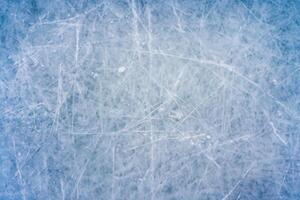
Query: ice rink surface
[150, 99]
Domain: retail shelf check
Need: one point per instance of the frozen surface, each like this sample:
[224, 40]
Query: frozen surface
[154, 100]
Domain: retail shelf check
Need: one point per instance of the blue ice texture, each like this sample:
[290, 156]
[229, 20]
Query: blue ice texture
[150, 99]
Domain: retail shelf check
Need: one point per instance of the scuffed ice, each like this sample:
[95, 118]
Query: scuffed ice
[191, 100]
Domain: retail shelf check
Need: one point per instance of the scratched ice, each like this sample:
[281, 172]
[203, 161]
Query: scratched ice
[160, 100]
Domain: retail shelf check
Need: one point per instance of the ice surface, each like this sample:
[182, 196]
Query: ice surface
[137, 99]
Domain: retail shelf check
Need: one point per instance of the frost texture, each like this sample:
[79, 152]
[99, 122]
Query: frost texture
[150, 100]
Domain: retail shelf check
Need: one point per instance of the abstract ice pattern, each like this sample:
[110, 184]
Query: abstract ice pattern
[150, 99]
